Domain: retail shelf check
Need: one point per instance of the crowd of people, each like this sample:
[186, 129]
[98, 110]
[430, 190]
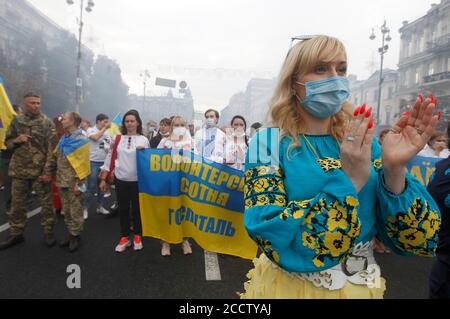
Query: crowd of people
[112, 167]
[318, 201]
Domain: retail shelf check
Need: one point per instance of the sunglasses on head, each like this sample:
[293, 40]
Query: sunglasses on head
[300, 38]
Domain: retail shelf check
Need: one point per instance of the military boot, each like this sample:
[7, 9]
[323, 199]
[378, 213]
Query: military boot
[50, 240]
[12, 241]
[65, 243]
[74, 243]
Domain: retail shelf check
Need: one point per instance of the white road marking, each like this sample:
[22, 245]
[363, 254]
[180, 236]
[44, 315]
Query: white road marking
[212, 268]
[29, 215]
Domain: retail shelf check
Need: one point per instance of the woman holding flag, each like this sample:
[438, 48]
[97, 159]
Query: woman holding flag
[178, 139]
[72, 171]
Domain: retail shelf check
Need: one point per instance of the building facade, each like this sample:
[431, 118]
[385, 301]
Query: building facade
[158, 107]
[424, 64]
[367, 92]
[253, 104]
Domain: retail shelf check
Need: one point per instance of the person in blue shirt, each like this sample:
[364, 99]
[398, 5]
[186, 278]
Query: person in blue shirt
[439, 188]
[319, 188]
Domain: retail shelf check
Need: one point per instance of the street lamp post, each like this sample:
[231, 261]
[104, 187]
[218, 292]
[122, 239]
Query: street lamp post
[79, 82]
[145, 75]
[385, 37]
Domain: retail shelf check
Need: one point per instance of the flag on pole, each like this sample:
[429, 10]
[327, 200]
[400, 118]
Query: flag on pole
[6, 114]
[114, 130]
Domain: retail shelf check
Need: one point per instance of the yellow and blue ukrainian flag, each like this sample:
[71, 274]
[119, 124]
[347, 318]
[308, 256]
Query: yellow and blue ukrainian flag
[114, 130]
[6, 114]
[77, 152]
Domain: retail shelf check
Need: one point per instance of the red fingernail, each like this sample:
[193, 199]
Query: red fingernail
[435, 102]
[439, 115]
[356, 111]
[371, 123]
[406, 114]
[431, 97]
[369, 112]
[363, 109]
[421, 98]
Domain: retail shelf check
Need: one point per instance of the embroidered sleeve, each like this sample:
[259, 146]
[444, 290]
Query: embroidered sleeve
[408, 223]
[308, 235]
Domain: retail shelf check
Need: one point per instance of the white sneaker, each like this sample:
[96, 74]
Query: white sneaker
[85, 213]
[137, 243]
[102, 210]
[114, 206]
[108, 194]
[123, 245]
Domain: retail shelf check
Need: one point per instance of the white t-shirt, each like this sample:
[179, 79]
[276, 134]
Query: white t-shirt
[125, 165]
[210, 143]
[100, 148]
[235, 153]
[185, 144]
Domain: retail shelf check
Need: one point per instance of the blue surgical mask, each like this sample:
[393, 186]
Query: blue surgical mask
[325, 98]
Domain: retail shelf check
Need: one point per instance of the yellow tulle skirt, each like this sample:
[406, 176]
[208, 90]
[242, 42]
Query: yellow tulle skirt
[269, 282]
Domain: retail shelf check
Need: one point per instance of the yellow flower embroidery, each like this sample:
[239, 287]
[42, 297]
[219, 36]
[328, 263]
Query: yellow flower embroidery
[318, 262]
[351, 201]
[409, 219]
[412, 237]
[309, 241]
[337, 243]
[337, 219]
[377, 164]
[431, 226]
[261, 185]
[416, 231]
[263, 200]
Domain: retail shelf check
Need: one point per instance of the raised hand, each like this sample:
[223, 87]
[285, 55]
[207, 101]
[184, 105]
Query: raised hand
[411, 133]
[356, 149]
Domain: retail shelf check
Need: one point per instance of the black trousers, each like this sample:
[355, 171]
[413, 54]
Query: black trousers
[128, 200]
[440, 278]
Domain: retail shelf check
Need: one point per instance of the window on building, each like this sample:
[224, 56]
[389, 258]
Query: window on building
[391, 92]
[431, 69]
[417, 77]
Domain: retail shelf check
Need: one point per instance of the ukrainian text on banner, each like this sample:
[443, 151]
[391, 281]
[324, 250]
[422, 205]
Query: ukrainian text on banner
[182, 196]
[422, 168]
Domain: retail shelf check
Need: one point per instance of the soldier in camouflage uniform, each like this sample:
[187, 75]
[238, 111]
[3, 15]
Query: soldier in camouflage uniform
[70, 186]
[32, 139]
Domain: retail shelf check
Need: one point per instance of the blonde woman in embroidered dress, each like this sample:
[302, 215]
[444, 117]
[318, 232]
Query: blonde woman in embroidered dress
[319, 188]
[180, 139]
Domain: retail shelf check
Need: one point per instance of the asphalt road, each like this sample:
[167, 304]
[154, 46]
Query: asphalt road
[32, 270]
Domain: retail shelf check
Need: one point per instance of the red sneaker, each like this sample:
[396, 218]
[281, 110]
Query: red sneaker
[137, 243]
[123, 245]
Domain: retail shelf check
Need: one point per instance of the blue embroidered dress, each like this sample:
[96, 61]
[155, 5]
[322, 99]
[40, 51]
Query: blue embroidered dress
[306, 216]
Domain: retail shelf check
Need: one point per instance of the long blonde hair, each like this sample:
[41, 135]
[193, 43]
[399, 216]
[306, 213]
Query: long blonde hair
[284, 109]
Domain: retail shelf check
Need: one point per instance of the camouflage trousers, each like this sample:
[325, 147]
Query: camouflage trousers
[72, 205]
[20, 191]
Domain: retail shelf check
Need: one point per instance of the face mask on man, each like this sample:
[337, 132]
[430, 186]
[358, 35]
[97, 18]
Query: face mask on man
[210, 122]
[325, 98]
